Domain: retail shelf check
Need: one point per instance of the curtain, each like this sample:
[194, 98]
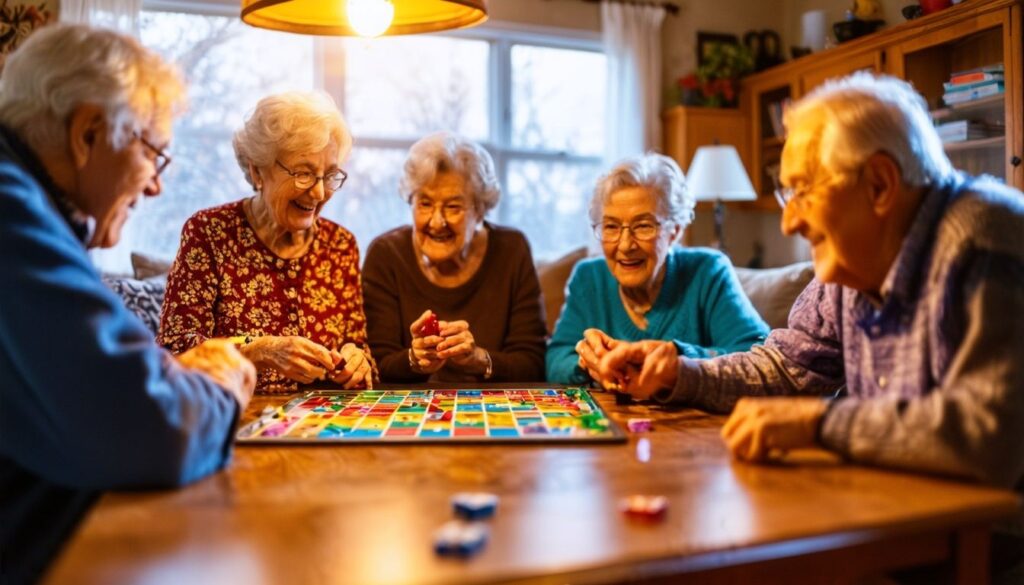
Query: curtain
[121, 15]
[632, 42]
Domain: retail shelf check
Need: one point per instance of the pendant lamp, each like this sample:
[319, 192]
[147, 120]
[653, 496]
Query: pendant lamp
[363, 17]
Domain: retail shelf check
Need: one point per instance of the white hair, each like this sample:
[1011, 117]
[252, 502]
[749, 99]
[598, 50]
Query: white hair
[864, 114]
[290, 122]
[63, 66]
[655, 172]
[446, 152]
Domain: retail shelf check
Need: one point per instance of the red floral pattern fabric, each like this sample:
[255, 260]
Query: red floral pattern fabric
[225, 282]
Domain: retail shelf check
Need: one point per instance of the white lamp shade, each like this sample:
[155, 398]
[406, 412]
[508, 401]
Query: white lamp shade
[717, 174]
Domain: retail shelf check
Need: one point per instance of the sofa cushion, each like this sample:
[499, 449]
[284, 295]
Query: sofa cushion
[772, 291]
[146, 267]
[142, 297]
[553, 276]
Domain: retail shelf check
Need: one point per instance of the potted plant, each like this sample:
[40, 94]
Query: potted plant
[715, 84]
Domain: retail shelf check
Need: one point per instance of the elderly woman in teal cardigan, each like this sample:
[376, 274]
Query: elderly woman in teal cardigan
[646, 287]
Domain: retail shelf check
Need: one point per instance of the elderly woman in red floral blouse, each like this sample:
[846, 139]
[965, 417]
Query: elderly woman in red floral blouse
[268, 269]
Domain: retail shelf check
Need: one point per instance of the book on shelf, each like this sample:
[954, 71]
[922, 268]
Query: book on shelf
[961, 130]
[976, 74]
[967, 95]
[949, 86]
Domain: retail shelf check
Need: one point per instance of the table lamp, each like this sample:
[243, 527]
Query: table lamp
[717, 174]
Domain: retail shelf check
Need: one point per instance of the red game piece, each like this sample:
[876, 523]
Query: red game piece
[430, 326]
[644, 507]
[447, 415]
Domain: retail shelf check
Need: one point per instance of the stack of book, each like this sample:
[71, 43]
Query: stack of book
[966, 86]
[961, 130]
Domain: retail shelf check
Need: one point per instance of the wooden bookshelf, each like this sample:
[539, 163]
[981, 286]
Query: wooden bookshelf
[926, 52]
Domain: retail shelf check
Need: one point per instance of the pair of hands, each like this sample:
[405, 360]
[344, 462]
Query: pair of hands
[305, 361]
[640, 368]
[454, 344]
[758, 428]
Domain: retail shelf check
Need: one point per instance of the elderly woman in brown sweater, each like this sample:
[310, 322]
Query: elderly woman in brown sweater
[477, 278]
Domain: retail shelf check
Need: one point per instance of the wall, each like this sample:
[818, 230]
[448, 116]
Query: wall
[560, 13]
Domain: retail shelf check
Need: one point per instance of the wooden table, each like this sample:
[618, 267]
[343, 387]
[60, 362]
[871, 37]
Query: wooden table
[366, 514]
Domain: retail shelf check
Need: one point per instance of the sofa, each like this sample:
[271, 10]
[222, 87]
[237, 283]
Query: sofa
[771, 291]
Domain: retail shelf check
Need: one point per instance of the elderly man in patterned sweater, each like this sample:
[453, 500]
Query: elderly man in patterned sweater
[908, 348]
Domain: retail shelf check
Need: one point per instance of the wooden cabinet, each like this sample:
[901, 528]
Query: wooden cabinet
[925, 51]
[687, 128]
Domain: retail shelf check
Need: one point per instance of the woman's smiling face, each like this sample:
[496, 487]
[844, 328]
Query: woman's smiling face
[444, 217]
[291, 208]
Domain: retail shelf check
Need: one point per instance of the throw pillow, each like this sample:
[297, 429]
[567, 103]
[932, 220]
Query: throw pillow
[772, 291]
[142, 297]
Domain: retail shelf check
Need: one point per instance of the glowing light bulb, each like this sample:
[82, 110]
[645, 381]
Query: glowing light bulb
[370, 18]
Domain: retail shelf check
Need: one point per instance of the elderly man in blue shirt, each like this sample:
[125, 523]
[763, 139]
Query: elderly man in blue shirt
[88, 401]
[915, 320]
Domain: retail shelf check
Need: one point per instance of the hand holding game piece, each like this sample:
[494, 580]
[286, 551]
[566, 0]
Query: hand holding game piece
[474, 505]
[295, 357]
[641, 368]
[461, 539]
[221, 361]
[354, 368]
[423, 358]
[644, 507]
[594, 345]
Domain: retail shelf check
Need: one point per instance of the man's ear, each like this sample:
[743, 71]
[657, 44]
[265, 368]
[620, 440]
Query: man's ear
[885, 180]
[86, 128]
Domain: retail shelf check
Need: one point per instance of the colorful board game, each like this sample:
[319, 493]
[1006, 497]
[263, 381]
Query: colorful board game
[446, 416]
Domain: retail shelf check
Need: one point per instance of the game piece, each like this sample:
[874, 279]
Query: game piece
[474, 505]
[461, 539]
[643, 450]
[427, 415]
[639, 425]
[430, 326]
[644, 507]
[623, 398]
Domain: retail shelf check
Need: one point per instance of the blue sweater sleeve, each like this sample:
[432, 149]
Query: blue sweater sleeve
[732, 323]
[87, 399]
[561, 360]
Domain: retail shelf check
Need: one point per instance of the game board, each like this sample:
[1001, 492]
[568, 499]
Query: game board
[560, 415]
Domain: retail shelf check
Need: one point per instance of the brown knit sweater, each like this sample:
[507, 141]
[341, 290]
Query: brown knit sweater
[501, 303]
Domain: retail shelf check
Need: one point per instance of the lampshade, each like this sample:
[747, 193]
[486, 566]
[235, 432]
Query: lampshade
[717, 174]
[330, 17]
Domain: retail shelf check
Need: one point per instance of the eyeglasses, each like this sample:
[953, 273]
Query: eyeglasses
[160, 158]
[333, 180]
[610, 231]
[450, 210]
[798, 196]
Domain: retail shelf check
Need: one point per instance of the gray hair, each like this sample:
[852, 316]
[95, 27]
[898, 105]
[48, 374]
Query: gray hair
[447, 152]
[290, 122]
[63, 66]
[864, 114]
[656, 172]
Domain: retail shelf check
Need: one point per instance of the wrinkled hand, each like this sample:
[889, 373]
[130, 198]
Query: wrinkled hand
[759, 426]
[353, 369]
[459, 347]
[640, 368]
[221, 361]
[594, 345]
[425, 359]
[295, 357]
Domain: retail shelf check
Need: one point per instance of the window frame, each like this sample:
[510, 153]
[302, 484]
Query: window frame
[502, 36]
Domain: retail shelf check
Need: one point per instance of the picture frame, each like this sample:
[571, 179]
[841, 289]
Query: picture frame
[705, 40]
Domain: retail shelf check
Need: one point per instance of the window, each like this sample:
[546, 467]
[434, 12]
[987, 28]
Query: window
[534, 101]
